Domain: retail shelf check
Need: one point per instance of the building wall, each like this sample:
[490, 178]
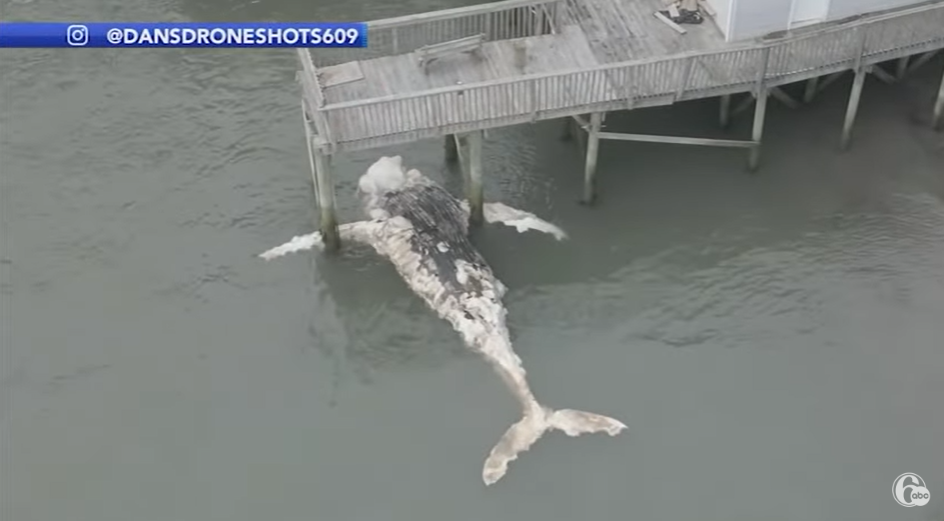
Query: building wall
[744, 19]
[752, 18]
[723, 14]
[842, 8]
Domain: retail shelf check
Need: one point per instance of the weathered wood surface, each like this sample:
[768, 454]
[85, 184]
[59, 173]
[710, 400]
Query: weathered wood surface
[581, 56]
[391, 75]
[435, 51]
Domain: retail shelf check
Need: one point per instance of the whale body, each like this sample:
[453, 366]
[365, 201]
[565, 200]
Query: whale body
[424, 232]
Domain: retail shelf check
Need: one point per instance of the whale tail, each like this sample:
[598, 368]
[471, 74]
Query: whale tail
[520, 436]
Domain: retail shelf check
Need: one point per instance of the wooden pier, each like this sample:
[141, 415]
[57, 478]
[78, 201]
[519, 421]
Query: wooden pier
[459, 72]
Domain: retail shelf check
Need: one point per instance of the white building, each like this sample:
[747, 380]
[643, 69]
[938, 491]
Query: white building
[740, 19]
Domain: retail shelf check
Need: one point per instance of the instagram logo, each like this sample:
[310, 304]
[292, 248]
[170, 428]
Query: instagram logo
[77, 35]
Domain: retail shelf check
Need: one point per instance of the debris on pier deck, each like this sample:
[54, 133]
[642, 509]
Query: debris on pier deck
[578, 36]
[462, 71]
[581, 56]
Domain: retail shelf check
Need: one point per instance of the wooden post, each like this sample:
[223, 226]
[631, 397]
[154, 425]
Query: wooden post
[323, 184]
[760, 113]
[593, 148]
[679, 140]
[579, 125]
[567, 133]
[744, 105]
[853, 108]
[811, 88]
[880, 73]
[783, 97]
[902, 67]
[474, 186]
[538, 21]
[937, 121]
[832, 78]
[924, 58]
[725, 109]
[452, 151]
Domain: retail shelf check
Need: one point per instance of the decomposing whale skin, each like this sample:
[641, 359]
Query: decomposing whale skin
[424, 232]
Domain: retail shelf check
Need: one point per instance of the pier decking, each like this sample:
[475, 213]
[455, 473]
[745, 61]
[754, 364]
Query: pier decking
[521, 61]
[575, 57]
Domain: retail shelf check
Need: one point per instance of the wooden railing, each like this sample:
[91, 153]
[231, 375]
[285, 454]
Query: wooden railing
[657, 81]
[313, 96]
[498, 21]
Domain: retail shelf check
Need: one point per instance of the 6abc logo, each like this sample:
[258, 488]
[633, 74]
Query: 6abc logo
[77, 35]
[911, 490]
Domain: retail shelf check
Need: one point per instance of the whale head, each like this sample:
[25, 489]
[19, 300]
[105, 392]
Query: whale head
[386, 175]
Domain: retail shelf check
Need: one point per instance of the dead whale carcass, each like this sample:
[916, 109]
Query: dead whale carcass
[423, 230]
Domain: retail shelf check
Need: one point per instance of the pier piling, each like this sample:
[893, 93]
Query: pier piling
[474, 186]
[901, 67]
[323, 183]
[832, 78]
[724, 117]
[593, 149]
[452, 151]
[578, 124]
[880, 73]
[812, 87]
[324, 187]
[784, 98]
[921, 61]
[567, 132]
[937, 121]
[757, 134]
[853, 108]
[744, 104]
[379, 98]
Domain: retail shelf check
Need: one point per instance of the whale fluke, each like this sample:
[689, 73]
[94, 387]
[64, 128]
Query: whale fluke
[423, 230]
[520, 436]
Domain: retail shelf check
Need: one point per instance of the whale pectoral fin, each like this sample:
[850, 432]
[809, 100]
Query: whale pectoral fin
[359, 231]
[363, 232]
[520, 220]
[298, 243]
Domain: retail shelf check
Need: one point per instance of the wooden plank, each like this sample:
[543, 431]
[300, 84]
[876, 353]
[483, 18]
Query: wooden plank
[340, 74]
[678, 140]
[430, 53]
[829, 81]
[605, 52]
[454, 14]
[784, 98]
[925, 58]
[880, 73]
[670, 23]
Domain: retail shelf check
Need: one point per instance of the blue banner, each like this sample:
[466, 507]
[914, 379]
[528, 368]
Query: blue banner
[157, 34]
